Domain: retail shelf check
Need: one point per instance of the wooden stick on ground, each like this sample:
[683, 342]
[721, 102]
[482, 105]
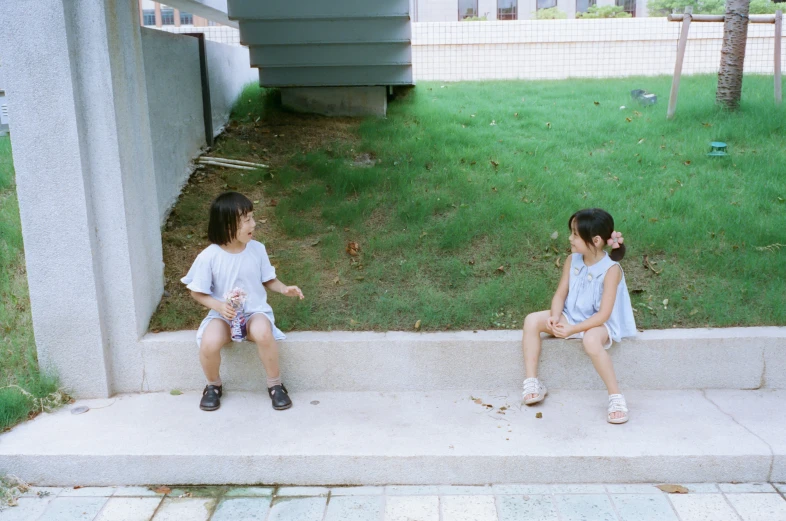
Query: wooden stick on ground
[234, 161]
[227, 165]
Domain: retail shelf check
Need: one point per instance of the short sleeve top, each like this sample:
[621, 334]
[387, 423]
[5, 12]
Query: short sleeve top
[217, 271]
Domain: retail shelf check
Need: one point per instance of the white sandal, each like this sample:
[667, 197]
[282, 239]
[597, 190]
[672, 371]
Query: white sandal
[533, 386]
[617, 404]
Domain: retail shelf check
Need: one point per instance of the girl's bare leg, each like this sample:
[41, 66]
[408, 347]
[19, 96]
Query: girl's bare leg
[260, 332]
[215, 337]
[593, 341]
[535, 324]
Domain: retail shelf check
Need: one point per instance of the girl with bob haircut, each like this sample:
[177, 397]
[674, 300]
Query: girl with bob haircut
[235, 262]
[591, 303]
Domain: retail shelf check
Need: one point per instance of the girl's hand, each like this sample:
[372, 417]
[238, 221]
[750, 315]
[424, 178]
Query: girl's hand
[552, 322]
[293, 291]
[563, 330]
[227, 311]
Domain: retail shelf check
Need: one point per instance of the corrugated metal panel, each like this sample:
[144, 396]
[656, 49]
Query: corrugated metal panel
[331, 55]
[313, 43]
[286, 9]
[294, 32]
[335, 76]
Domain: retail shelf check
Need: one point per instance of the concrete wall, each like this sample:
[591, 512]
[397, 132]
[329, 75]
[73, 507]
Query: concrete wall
[558, 49]
[174, 89]
[177, 127]
[230, 71]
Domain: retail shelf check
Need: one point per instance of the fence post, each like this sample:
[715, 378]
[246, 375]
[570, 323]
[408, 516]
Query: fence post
[675, 81]
[778, 39]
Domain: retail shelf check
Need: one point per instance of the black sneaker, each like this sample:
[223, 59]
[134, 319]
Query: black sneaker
[279, 396]
[211, 397]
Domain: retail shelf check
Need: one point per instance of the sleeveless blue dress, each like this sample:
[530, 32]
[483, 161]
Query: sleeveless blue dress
[585, 290]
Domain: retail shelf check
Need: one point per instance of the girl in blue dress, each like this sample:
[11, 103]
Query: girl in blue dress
[591, 303]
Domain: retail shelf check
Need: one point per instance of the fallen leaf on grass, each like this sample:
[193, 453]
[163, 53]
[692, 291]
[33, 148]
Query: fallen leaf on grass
[501, 269]
[628, 120]
[647, 265]
[315, 242]
[273, 202]
[556, 262]
[417, 325]
[596, 102]
[686, 163]
[673, 489]
[693, 312]
[640, 141]
[494, 163]
[353, 248]
[548, 125]
[554, 236]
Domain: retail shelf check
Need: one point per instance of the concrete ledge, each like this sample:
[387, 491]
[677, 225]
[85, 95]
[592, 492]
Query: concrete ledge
[734, 358]
[405, 438]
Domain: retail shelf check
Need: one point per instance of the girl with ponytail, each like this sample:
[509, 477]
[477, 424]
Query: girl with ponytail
[591, 303]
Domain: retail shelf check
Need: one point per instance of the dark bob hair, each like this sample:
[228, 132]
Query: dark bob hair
[592, 222]
[225, 214]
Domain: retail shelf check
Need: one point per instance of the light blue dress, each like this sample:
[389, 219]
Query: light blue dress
[585, 290]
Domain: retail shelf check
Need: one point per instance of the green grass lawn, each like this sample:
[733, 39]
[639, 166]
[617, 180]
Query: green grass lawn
[18, 363]
[469, 181]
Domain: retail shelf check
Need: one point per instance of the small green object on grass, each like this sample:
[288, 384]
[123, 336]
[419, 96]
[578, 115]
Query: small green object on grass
[717, 149]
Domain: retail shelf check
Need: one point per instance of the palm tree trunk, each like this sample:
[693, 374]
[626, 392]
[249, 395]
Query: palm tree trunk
[735, 36]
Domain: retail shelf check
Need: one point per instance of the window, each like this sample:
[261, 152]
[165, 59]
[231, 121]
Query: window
[507, 9]
[467, 9]
[149, 17]
[547, 4]
[583, 5]
[629, 6]
[186, 18]
[167, 16]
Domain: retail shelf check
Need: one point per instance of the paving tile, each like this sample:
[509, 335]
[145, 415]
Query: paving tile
[357, 491]
[781, 487]
[529, 508]
[27, 508]
[87, 492]
[745, 488]
[591, 488]
[185, 509]
[633, 488]
[759, 507]
[355, 508]
[129, 509]
[468, 508]
[242, 509]
[42, 492]
[412, 490]
[514, 489]
[298, 509]
[701, 488]
[464, 490]
[250, 492]
[581, 507]
[302, 491]
[210, 492]
[136, 492]
[409, 508]
[73, 509]
[643, 507]
[702, 507]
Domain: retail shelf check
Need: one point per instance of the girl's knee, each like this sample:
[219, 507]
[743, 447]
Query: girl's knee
[593, 344]
[534, 321]
[210, 346]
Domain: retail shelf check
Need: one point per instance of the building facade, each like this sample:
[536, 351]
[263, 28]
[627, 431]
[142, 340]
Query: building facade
[458, 10]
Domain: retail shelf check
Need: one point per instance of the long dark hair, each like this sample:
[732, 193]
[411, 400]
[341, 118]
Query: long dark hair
[594, 221]
[225, 213]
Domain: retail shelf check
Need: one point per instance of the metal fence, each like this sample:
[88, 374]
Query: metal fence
[578, 48]
[213, 33]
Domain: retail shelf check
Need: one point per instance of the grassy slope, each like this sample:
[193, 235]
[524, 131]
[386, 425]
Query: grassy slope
[453, 197]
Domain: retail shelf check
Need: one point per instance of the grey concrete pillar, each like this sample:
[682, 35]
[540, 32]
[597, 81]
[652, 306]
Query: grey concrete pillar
[85, 181]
